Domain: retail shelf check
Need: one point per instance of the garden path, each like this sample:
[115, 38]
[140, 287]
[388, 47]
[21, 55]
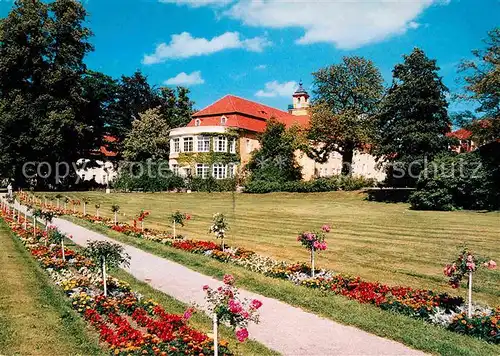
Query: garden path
[284, 328]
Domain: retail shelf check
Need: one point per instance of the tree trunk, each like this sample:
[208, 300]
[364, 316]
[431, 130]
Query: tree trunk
[347, 156]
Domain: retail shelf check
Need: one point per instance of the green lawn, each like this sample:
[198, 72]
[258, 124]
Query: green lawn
[35, 318]
[377, 241]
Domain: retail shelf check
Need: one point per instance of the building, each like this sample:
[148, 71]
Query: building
[220, 138]
[103, 171]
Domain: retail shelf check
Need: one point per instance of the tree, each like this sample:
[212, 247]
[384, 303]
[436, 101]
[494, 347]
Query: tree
[346, 96]
[482, 78]
[42, 47]
[115, 208]
[413, 120]
[275, 160]
[148, 139]
[106, 255]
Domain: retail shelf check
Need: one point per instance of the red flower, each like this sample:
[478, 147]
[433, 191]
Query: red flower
[256, 304]
[228, 279]
[242, 335]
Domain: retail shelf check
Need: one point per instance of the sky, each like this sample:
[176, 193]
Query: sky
[260, 50]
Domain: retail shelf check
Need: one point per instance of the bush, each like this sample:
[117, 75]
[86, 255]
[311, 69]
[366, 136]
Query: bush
[466, 181]
[211, 184]
[313, 186]
[129, 179]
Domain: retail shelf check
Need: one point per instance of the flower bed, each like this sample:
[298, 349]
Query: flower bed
[435, 308]
[126, 322]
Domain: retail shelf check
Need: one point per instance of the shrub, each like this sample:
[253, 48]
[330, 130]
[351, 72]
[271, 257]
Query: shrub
[129, 179]
[466, 181]
[211, 184]
[313, 186]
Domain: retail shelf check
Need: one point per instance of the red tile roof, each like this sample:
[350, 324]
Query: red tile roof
[104, 148]
[244, 114]
[461, 134]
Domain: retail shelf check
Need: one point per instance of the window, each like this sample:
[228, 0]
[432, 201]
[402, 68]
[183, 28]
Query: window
[175, 169]
[231, 170]
[223, 120]
[203, 144]
[176, 145]
[219, 171]
[202, 170]
[188, 144]
[197, 122]
[232, 146]
[220, 144]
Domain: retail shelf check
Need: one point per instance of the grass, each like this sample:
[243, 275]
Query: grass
[199, 321]
[377, 241]
[35, 317]
[414, 333]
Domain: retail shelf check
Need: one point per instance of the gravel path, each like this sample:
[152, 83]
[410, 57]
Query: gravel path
[284, 328]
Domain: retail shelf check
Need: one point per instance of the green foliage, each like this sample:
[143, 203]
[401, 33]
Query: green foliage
[191, 158]
[482, 77]
[115, 208]
[42, 112]
[178, 218]
[55, 236]
[466, 181]
[148, 139]
[210, 184]
[413, 119]
[219, 226]
[113, 253]
[274, 161]
[131, 177]
[341, 182]
[346, 96]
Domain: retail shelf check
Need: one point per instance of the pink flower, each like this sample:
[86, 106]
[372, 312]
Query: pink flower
[234, 306]
[188, 217]
[242, 335]
[490, 264]
[299, 237]
[228, 279]
[206, 287]
[326, 228]
[316, 245]
[470, 265]
[245, 315]
[188, 313]
[256, 304]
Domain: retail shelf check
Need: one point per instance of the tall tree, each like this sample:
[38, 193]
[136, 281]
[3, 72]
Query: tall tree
[275, 160]
[345, 98]
[482, 78]
[413, 119]
[42, 47]
[148, 139]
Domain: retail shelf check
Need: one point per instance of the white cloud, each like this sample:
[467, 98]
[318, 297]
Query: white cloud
[347, 24]
[186, 79]
[274, 88]
[260, 67]
[184, 45]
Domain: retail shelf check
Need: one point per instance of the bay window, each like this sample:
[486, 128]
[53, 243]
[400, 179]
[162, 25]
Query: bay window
[188, 144]
[220, 144]
[202, 170]
[203, 144]
[219, 171]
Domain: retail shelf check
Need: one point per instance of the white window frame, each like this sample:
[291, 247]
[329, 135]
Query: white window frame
[185, 141]
[203, 143]
[202, 170]
[232, 145]
[223, 120]
[219, 171]
[175, 169]
[176, 144]
[217, 140]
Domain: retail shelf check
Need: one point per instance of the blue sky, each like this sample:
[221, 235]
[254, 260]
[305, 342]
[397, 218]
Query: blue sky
[259, 50]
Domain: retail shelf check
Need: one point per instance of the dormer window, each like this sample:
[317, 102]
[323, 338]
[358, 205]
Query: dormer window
[197, 122]
[223, 120]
